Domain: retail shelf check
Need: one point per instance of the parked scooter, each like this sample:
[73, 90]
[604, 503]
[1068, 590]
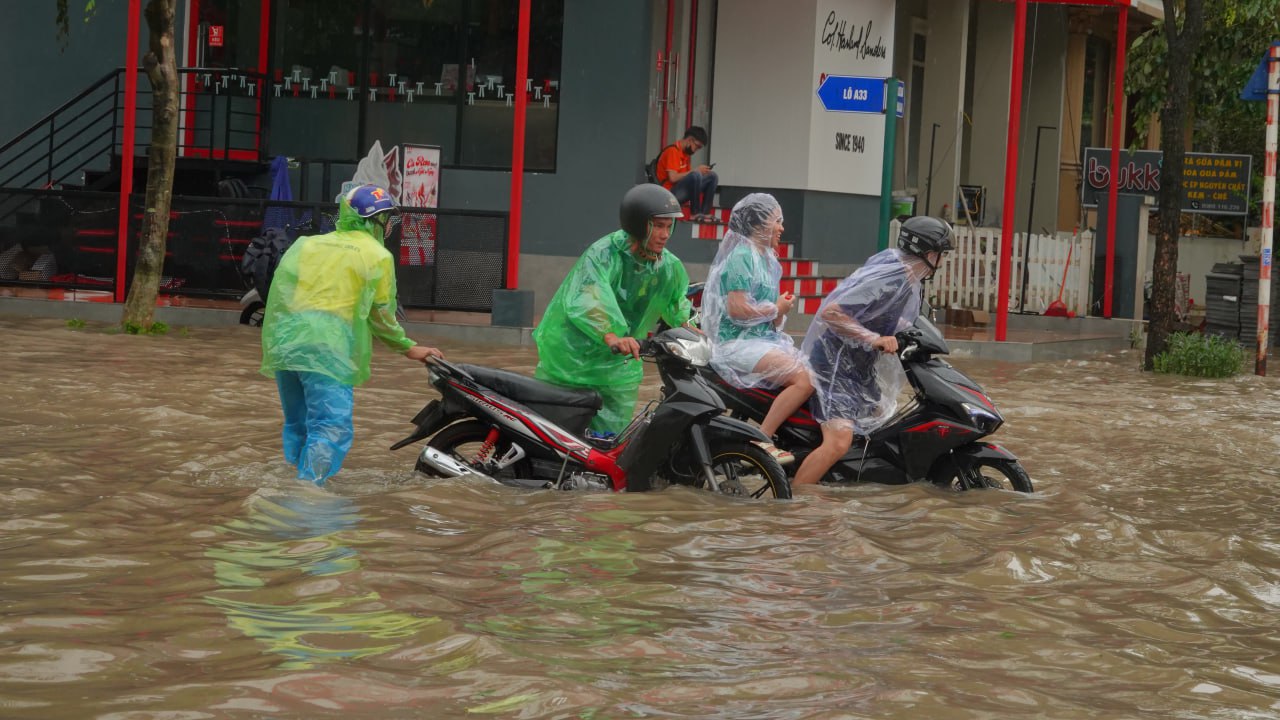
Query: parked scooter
[523, 432]
[937, 437]
[252, 308]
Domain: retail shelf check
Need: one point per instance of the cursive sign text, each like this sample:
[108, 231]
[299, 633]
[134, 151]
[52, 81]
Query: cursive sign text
[837, 37]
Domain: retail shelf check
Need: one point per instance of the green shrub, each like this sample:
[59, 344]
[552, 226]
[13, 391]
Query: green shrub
[76, 324]
[1200, 356]
[157, 328]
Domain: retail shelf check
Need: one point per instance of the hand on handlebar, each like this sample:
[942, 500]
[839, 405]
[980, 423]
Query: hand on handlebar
[622, 345]
[422, 353]
[886, 343]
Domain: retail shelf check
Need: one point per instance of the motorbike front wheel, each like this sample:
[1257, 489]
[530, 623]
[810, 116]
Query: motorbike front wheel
[986, 473]
[465, 442]
[745, 469]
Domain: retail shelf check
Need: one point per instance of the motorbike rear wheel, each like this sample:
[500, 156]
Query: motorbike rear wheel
[746, 470]
[465, 440]
[252, 315]
[986, 473]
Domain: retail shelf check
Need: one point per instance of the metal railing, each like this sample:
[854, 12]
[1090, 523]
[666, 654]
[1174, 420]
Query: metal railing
[445, 259]
[222, 116]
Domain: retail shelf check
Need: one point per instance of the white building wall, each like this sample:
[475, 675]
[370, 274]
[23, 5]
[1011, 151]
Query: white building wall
[1042, 100]
[993, 47]
[858, 169]
[760, 101]
[944, 82]
[769, 127]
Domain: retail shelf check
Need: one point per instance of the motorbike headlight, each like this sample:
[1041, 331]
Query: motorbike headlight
[695, 352]
[985, 419]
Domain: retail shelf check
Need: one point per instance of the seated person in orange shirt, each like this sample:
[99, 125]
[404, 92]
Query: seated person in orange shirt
[696, 186]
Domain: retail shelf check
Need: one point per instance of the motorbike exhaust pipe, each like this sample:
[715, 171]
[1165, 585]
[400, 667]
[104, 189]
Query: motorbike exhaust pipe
[443, 465]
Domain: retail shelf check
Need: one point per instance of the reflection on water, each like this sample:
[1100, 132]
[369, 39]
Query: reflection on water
[159, 561]
[283, 570]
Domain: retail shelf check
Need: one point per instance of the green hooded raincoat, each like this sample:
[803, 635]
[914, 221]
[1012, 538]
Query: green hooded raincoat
[330, 295]
[608, 290]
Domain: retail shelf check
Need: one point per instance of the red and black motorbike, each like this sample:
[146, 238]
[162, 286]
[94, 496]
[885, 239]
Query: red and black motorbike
[523, 432]
[937, 436]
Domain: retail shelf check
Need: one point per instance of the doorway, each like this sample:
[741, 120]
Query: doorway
[226, 43]
[680, 74]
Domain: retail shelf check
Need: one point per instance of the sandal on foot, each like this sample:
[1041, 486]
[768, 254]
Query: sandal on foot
[782, 456]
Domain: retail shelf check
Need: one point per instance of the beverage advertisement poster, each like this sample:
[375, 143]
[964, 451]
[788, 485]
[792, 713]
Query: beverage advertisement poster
[421, 182]
[420, 188]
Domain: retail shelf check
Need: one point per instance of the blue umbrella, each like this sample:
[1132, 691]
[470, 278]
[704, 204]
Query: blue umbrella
[281, 191]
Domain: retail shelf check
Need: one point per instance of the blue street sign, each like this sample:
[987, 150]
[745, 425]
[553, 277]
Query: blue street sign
[848, 93]
[1256, 88]
[902, 98]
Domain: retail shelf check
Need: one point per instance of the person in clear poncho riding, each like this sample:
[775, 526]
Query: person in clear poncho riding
[615, 293]
[743, 313]
[851, 345]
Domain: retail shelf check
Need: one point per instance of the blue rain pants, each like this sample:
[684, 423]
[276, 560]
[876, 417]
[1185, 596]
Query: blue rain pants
[317, 422]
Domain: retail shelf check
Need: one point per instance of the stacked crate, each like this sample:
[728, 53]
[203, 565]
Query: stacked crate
[1223, 288]
[1249, 303]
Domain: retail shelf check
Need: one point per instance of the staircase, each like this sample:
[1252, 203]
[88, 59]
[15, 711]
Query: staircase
[60, 178]
[800, 276]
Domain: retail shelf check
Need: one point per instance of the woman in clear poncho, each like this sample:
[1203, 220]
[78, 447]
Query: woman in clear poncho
[743, 313]
[851, 345]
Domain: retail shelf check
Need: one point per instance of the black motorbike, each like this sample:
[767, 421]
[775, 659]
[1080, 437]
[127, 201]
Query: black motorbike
[524, 432]
[937, 436]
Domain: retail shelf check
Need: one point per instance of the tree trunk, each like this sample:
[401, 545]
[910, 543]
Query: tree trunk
[1184, 42]
[162, 70]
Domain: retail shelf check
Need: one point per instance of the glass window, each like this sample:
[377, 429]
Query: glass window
[438, 73]
[488, 116]
[315, 37]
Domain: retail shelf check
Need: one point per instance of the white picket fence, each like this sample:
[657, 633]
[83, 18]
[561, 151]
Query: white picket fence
[969, 276]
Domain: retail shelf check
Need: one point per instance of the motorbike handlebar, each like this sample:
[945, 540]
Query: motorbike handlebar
[445, 365]
[908, 342]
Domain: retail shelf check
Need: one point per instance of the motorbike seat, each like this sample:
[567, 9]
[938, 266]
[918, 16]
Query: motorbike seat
[531, 391]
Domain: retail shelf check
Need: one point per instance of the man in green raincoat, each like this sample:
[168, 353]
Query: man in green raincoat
[331, 294]
[615, 294]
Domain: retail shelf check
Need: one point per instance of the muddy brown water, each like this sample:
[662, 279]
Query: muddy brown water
[157, 560]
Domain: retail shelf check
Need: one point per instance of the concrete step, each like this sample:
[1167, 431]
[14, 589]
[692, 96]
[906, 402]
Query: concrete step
[809, 285]
[799, 267]
[807, 304]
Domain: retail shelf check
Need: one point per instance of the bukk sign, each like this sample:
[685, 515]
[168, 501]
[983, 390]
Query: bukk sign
[1212, 184]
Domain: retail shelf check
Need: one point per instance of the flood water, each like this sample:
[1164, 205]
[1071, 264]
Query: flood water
[159, 561]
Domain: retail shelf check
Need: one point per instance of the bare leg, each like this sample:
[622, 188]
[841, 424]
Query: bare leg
[797, 391]
[836, 440]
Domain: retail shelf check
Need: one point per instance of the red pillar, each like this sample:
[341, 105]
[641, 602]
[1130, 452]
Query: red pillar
[693, 53]
[1117, 133]
[517, 147]
[1268, 211]
[134, 18]
[664, 64]
[1011, 169]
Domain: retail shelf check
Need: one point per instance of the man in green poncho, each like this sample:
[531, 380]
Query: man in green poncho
[330, 295]
[614, 294]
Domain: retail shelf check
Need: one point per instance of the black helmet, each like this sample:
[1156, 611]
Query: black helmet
[643, 202]
[921, 235]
